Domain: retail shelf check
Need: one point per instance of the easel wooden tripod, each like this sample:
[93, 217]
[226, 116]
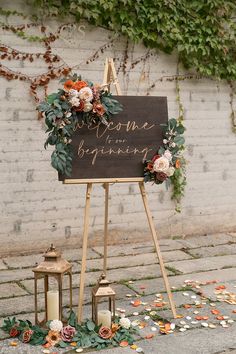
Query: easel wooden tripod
[111, 77]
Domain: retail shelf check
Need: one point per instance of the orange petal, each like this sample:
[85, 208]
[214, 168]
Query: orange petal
[220, 318]
[47, 345]
[13, 344]
[73, 344]
[220, 287]
[234, 311]
[149, 336]
[198, 318]
[167, 327]
[187, 306]
[136, 303]
[215, 312]
[124, 343]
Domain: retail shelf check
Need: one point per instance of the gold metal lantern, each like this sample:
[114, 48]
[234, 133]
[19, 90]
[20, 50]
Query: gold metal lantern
[103, 291]
[53, 266]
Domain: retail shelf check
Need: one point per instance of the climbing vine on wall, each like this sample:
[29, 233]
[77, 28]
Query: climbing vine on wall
[201, 31]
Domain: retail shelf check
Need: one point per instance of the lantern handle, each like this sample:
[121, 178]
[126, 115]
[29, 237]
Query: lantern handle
[51, 248]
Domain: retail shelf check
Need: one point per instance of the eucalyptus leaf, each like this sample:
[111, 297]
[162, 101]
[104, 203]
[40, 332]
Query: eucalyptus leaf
[90, 325]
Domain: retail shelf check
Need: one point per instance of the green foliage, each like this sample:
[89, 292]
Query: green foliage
[86, 335]
[38, 334]
[202, 31]
[173, 143]
[62, 120]
[178, 181]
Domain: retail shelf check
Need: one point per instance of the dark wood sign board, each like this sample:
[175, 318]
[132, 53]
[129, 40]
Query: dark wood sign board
[117, 150]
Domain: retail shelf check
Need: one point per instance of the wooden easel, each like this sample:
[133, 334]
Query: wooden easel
[110, 76]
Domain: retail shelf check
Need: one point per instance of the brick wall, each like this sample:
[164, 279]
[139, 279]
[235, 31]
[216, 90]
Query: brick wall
[36, 209]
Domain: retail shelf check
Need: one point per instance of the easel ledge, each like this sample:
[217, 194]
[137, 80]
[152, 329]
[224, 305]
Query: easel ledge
[103, 180]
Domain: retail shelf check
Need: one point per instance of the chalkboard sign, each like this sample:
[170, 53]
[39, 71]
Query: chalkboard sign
[118, 149]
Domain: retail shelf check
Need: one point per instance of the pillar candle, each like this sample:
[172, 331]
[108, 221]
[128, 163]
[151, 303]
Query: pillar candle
[104, 318]
[53, 305]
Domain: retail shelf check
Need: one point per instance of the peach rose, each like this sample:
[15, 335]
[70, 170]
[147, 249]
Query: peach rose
[161, 165]
[86, 94]
[98, 109]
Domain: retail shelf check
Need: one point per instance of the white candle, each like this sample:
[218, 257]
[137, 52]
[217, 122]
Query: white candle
[53, 305]
[104, 318]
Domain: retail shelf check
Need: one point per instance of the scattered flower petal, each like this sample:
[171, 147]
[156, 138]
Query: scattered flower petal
[124, 343]
[13, 344]
[182, 329]
[204, 324]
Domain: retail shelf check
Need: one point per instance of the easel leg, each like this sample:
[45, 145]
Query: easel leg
[84, 252]
[106, 186]
[158, 251]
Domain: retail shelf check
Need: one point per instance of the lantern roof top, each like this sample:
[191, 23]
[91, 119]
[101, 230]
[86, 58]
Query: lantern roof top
[53, 262]
[103, 287]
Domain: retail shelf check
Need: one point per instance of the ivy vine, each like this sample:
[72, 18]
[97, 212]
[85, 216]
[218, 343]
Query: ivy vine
[202, 31]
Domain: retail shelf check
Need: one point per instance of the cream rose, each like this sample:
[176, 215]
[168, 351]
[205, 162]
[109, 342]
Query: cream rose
[168, 155]
[161, 165]
[87, 107]
[56, 325]
[170, 171]
[73, 93]
[86, 94]
[75, 101]
[125, 323]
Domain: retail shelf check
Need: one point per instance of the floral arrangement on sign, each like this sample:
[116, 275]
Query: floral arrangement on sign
[168, 160]
[78, 101]
[74, 335]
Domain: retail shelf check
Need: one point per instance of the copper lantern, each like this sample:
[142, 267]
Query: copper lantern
[103, 291]
[53, 266]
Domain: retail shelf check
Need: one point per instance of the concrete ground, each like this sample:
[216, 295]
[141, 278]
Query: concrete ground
[202, 274]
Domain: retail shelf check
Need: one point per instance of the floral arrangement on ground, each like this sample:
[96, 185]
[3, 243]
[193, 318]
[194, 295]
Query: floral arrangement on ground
[168, 162]
[74, 335]
[78, 101]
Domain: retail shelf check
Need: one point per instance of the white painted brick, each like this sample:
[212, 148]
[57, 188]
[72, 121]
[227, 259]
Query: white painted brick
[36, 207]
